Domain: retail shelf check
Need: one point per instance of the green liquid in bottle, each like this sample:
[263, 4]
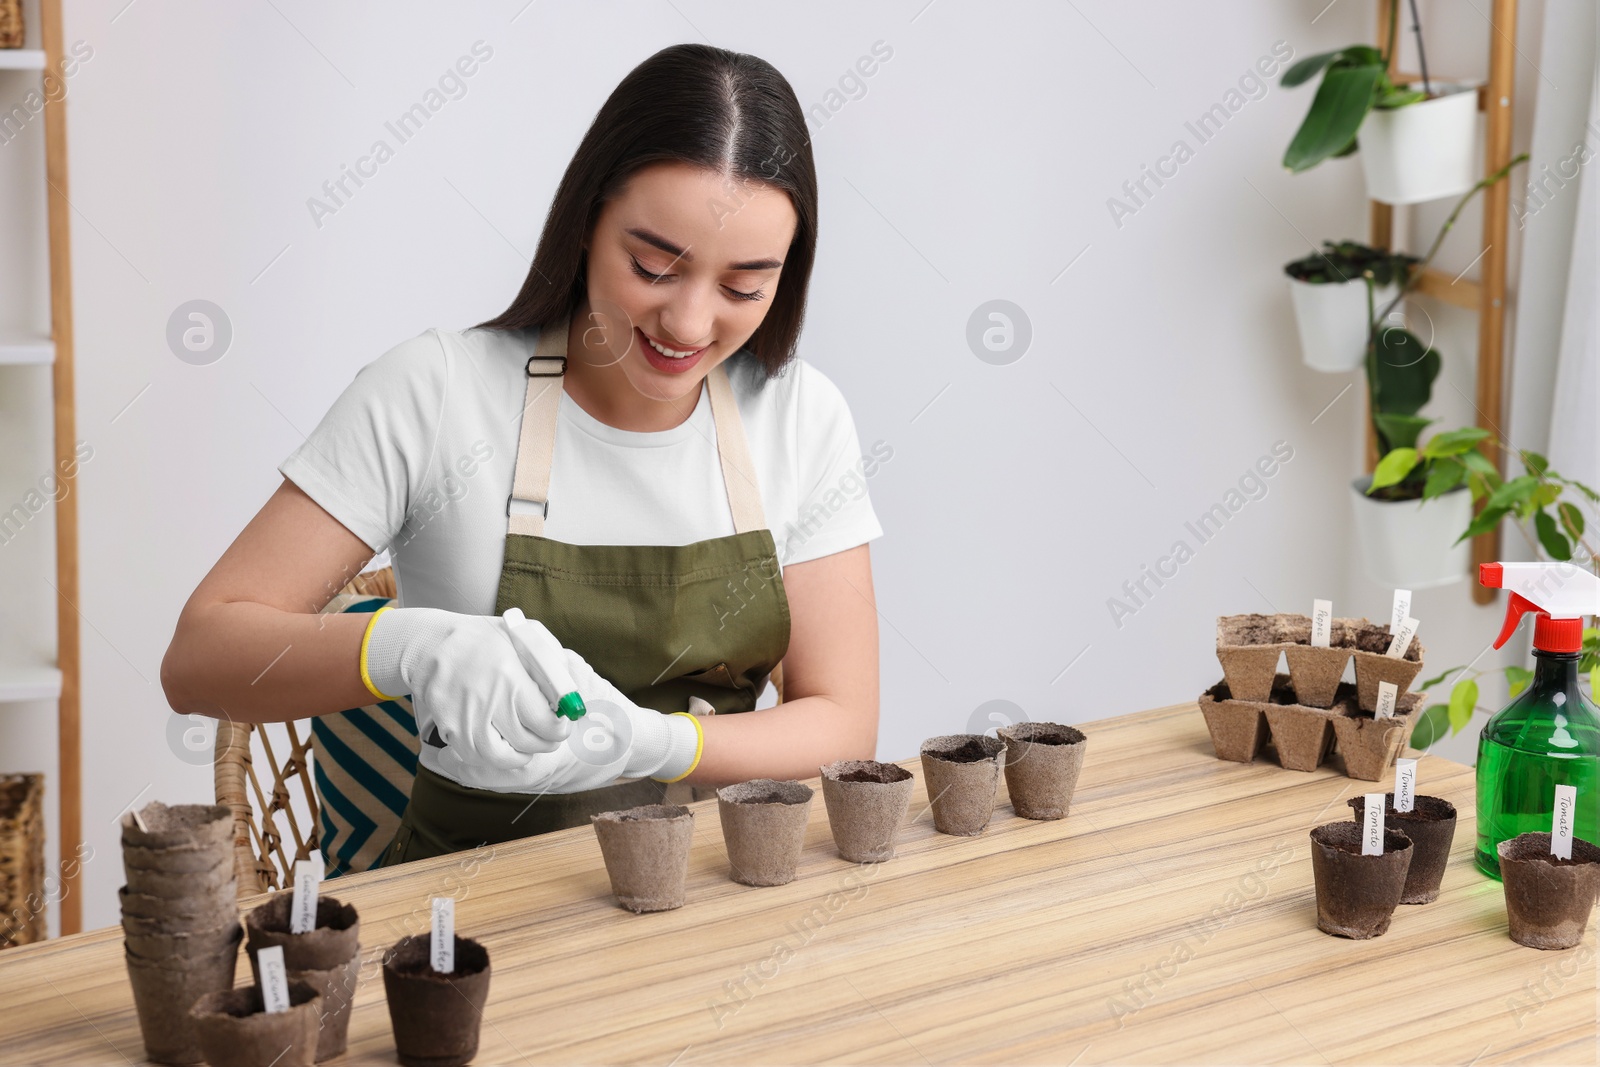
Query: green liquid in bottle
[1548, 736]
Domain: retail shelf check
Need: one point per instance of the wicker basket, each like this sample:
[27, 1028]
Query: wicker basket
[22, 891]
[11, 32]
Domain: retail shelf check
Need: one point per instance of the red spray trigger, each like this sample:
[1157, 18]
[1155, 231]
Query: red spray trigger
[1519, 606]
[1551, 634]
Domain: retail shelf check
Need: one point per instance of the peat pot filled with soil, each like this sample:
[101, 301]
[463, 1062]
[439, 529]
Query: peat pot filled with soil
[1357, 894]
[866, 801]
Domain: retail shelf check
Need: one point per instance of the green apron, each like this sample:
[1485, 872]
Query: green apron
[661, 622]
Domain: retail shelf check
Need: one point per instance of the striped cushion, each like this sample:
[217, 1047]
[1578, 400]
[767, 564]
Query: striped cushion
[364, 761]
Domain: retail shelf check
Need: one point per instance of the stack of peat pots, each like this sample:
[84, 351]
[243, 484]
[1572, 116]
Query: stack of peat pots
[180, 919]
[1305, 711]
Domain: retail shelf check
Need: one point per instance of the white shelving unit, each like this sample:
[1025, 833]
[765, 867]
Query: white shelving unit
[38, 427]
[19, 350]
[29, 683]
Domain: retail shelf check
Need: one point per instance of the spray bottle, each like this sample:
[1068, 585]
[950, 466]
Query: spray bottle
[1550, 735]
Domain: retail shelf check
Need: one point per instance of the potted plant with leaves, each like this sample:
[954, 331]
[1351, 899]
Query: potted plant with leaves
[1402, 543]
[1331, 309]
[1417, 140]
[1548, 510]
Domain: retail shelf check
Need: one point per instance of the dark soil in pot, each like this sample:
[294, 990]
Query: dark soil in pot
[866, 801]
[436, 1017]
[1356, 894]
[1431, 826]
[1042, 764]
[962, 775]
[335, 938]
[235, 1029]
[1370, 642]
[1548, 900]
[764, 828]
[646, 852]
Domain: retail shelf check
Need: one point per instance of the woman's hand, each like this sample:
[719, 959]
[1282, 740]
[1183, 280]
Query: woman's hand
[650, 743]
[615, 739]
[467, 682]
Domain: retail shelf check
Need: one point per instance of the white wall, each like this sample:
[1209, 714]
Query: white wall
[978, 165]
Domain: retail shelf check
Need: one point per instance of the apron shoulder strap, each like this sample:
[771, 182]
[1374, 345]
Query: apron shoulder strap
[529, 503]
[733, 448]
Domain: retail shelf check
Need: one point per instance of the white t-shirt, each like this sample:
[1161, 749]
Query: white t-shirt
[417, 454]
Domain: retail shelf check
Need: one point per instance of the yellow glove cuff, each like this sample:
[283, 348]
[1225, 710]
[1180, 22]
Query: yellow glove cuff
[699, 747]
[366, 638]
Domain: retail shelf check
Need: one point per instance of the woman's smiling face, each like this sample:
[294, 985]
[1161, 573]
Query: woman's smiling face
[687, 260]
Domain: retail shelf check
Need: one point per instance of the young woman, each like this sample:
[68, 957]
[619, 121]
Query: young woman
[631, 455]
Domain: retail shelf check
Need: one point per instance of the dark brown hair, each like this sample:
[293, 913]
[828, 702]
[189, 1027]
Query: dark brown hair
[725, 111]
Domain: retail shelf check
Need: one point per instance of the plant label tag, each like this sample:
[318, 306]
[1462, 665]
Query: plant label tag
[1321, 623]
[1388, 697]
[1561, 822]
[274, 978]
[1372, 825]
[1402, 639]
[1401, 610]
[443, 954]
[303, 909]
[1405, 784]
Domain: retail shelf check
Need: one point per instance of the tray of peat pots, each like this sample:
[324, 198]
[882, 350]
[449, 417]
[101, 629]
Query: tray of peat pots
[1356, 893]
[646, 851]
[1548, 899]
[436, 1015]
[327, 957]
[1369, 744]
[1431, 826]
[1042, 763]
[866, 801]
[180, 919]
[1248, 646]
[764, 828]
[236, 1030]
[962, 775]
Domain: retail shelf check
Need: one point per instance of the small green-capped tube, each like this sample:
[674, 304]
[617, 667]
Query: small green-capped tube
[571, 707]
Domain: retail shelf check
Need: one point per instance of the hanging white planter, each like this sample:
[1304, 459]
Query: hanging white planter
[1423, 151]
[1332, 320]
[1407, 544]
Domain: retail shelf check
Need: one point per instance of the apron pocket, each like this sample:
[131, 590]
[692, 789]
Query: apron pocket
[718, 676]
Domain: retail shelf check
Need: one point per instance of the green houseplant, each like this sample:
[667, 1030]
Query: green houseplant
[1546, 508]
[1416, 143]
[1329, 295]
[1402, 545]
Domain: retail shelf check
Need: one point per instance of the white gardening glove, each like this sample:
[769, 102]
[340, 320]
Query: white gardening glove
[649, 743]
[615, 739]
[468, 683]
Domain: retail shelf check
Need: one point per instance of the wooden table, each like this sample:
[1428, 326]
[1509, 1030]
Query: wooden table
[1169, 918]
